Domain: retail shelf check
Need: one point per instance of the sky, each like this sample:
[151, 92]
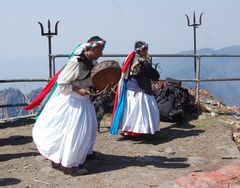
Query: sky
[162, 23]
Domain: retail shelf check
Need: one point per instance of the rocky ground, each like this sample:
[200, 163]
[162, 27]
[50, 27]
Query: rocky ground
[199, 145]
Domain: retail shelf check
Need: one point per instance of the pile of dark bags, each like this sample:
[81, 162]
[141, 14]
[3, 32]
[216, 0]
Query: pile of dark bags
[174, 101]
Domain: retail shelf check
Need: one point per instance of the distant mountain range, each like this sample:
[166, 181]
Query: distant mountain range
[175, 67]
[213, 67]
[16, 96]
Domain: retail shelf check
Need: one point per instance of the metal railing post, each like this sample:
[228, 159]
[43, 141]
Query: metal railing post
[54, 65]
[198, 62]
[194, 25]
[49, 34]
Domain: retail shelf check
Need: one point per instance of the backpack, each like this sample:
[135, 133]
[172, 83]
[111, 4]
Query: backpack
[171, 100]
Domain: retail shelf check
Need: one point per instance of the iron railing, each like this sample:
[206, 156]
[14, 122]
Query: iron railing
[197, 71]
[197, 80]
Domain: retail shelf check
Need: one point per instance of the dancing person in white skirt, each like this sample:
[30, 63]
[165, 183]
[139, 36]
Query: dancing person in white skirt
[137, 111]
[65, 131]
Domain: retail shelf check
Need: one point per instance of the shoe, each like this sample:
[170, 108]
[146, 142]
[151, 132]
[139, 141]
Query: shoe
[133, 134]
[127, 133]
[57, 166]
[91, 156]
[75, 171]
[136, 134]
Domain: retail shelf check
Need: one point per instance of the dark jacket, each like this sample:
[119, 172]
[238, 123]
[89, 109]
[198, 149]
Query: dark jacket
[141, 82]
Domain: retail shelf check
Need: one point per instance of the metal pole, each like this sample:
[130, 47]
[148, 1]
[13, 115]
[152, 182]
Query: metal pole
[54, 65]
[198, 78]
[194, 25]
[49, 34]
[194, 45]
[198, 82]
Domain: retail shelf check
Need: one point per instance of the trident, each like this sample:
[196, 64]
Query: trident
[194, 25]
[49, 34]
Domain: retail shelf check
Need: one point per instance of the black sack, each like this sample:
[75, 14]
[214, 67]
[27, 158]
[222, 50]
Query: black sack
[172, 100]
[173, 82]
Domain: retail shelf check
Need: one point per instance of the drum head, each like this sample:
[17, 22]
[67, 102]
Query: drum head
[105, 75]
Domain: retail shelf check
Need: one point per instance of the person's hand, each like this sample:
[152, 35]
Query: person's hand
[149, 59]
[83, 91]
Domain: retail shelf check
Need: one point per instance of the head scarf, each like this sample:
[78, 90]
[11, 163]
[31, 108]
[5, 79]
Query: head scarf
[139, 45]
[86, 46]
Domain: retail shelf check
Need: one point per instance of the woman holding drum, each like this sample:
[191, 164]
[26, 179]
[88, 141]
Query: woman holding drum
[65, 131]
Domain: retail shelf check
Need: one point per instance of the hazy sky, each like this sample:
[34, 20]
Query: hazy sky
[162, 23]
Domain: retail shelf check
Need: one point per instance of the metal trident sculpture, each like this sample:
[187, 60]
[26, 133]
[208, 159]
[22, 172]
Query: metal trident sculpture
[49, 34]
[194, 25]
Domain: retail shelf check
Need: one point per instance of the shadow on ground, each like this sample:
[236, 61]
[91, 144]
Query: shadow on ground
[166, 134]
[17, 123]
[15, 140]
[106, 163]
[10, 156]
[9, 181]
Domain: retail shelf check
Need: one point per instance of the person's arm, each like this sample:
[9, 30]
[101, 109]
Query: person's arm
[150, 71]
[68, 74]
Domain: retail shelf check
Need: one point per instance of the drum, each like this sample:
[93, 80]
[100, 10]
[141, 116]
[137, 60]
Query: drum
[106, 75]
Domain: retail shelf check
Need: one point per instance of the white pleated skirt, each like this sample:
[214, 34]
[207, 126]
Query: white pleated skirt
[141, 114]
[66, 129]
